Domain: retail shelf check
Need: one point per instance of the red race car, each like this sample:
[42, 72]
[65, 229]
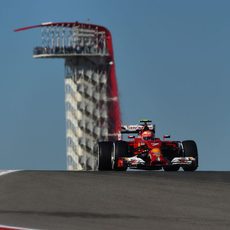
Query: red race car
[145, 151]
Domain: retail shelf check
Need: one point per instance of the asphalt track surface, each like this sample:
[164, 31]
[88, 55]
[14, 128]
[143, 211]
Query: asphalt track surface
[115, 200]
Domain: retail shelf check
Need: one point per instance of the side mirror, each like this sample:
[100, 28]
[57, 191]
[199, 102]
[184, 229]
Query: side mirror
[131, 137]
[166, 137]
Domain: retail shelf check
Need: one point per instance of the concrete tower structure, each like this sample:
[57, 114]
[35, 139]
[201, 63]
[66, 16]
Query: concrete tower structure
[91, 93]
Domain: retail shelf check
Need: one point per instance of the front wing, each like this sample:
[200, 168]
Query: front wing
[137, 162]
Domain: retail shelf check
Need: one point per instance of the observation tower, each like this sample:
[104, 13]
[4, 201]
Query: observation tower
[91, 93]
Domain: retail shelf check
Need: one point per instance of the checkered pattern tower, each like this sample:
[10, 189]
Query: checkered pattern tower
[91, 93]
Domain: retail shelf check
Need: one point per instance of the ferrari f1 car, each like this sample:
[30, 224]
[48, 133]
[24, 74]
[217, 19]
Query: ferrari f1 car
[145, 151]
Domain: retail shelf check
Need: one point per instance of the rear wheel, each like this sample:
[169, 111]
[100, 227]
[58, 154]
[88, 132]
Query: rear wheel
[190, 150]
[106, 155]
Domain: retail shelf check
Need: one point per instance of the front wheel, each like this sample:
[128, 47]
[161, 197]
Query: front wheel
[121, 150]
[190, 150]
[106, 156]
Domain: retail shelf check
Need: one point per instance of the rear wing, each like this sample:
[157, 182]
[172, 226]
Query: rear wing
[135, 128]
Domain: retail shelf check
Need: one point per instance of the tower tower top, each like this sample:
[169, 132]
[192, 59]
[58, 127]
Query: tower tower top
[64, 24]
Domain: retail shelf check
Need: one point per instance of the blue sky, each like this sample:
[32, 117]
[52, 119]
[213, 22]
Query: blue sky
[172, 63]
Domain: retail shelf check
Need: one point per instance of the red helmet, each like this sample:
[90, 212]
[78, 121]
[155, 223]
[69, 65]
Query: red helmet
[147, 135]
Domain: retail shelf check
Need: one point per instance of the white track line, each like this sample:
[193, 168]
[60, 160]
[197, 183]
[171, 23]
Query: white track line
[7, 227]
[4, 172]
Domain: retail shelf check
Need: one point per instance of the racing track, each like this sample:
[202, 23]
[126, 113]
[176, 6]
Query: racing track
[115, 200]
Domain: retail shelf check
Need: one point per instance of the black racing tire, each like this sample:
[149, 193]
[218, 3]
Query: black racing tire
[121, 150]
[105, 156]
[190, 150]
[171, 168]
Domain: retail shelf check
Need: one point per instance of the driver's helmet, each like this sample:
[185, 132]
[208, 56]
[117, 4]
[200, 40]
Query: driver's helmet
[147, 135]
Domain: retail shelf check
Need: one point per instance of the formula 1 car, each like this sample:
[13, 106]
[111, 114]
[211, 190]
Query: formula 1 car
[145, 151]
